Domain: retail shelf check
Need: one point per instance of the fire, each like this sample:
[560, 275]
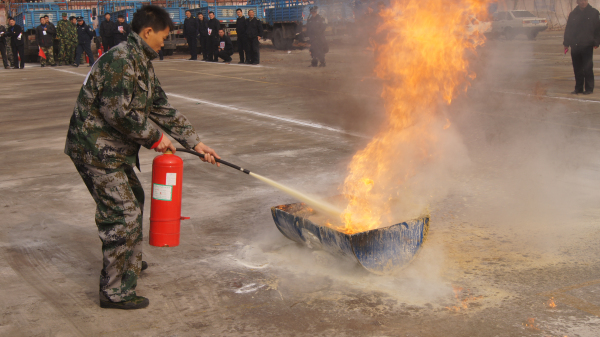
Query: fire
[423, 62]
[550, 303]
[463, 299]
[531, 324]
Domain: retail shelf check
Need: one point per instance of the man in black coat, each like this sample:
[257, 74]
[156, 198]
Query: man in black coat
[582, 34]
[203, 35]
[85, 34]
[44, 34]
[242, 37]
[122, 30]
[213, 37]
[225, 47]
[3, 46]
[315, 29]
[17, 43]
[190, 32]
[254, 31]
[107, 30]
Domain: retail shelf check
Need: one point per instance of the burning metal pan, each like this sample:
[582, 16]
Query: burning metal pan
[380, 251]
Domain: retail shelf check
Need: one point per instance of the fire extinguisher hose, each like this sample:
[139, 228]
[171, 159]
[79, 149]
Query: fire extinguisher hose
[201, 155]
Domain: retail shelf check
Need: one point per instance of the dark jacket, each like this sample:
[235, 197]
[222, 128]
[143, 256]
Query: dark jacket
[190, 27]
[203, 27]
[228, 45]
[2, 36]
[107, 28]
[45, 40]
[583, 28]
[254, 28]
[85, 34]
[240, 26]
[118, 36]
[215, 25]
[14, 32]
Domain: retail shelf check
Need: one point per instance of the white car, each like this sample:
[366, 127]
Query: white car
[513, 23]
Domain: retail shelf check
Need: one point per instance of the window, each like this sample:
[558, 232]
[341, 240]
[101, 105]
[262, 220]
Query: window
[522, 14]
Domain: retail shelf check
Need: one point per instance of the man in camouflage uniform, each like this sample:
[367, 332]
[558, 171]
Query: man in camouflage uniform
[66, 32]
[9, 53]
[111, 121]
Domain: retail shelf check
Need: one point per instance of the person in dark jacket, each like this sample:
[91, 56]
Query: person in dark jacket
[122, 30]
[44, 34]
[85, 34]
[17, 42]
[315, 29]
[582, 34]
[3, 46]
[203, 35]
[242, 37]
[107, 31]
[213, 37]
[254, 31]
[225, 47]
[190, 32]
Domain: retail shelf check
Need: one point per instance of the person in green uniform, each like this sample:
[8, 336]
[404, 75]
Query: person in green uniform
[112, 118]
[66, 33]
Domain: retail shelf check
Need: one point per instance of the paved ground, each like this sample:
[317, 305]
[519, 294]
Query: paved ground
[517, 226]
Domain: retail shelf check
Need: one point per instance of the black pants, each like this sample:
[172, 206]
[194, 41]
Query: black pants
[80, 49]
[193, 44]
[223, 54]
[4, 56]
[583, 67]
[242, 44]
[107, 43]
[204, 45]
[18, 51]
[253, 51]
[212, 48]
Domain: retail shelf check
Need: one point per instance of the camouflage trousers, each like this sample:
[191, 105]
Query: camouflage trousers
[66, 54]
[9, 54]
[119, 205]
[49, 51]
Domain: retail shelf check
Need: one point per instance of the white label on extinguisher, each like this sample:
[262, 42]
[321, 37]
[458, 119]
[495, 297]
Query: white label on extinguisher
[162, 192]
[171, 179]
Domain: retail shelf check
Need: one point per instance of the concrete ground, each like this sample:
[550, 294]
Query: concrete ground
[512, 249]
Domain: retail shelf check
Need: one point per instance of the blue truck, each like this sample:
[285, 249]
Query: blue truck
[28, 17]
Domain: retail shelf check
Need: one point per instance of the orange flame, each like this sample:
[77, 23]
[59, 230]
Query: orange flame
[550, 303]
[423, 63]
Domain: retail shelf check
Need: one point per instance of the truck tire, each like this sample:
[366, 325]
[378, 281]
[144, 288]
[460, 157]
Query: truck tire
[509, 33]
[532, 34]
[288, 43]
[278, 41]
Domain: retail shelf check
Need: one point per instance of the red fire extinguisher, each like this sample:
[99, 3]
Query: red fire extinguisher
[165, 209]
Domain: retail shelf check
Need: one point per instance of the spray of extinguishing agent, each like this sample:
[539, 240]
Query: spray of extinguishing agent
[165, 211]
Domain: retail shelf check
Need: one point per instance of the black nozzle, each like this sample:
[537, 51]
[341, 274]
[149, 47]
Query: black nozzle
[201, 155]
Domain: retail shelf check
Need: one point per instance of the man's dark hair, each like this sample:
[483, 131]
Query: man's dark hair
[199, 13]
[211, 12]
[187, 10]
[106, 14]
[239, 9]
[151, 16]
[41, 18]
[251, 10]
[222, 29]
[46, 16]
[72, 17]
[120, 17]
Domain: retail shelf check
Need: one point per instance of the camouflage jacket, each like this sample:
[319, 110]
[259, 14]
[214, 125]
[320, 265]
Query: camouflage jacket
[66, 30]
[116, 104]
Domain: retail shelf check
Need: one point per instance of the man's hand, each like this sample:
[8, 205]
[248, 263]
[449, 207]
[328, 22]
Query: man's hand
[258, 38]
[209, 154]
[165, 144]
[595, 47]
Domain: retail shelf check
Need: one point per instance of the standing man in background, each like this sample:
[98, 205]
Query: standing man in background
[190, 32]
[254, 33]
[3, 46]
[63, 29]
[117, 112]
[16, 43]
[44, 34]
[107, 29]
[213, 37]
[582, 34]
[203, 35]
[315, 29]
[85, 34]
[122, 30]
[242, 37]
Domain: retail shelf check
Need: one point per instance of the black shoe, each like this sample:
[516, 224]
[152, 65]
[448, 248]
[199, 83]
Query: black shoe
[75, 65]
[576, 92]
[6, 67]
[144, 265]
[255, 63]
[241, 62]
[43, 65]
[138, 302]
[588, 92]
[60, 64]
[248, 62]
[15, 67]
[322, 65]
[53, 65]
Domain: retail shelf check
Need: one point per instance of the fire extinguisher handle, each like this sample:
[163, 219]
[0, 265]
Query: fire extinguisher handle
[201, 155]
